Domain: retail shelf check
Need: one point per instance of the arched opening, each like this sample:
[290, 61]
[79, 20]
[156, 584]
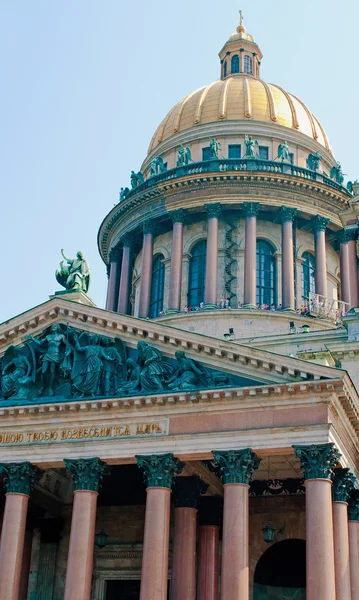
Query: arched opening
[308, 275]
[197, 274]
[266, 273]
[157, 286]
[281, 572]
[235, 64]
[248, 65]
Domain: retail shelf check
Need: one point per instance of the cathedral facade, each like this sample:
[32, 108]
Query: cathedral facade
[197, 438]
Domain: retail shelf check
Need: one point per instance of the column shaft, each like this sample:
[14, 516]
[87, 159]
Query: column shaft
[25, 566]
[344, 272]
[210, 293]
[354, 558]
[288, 299]
[125, 280]
[208, 563]
[154, 577]
[174, 301]
[320, 542]
[12, 545]
[321, 287]
[81, 549]
[341, 550]
[184, 554]
[113, 282]
[250, 263]
[235, 559]
[146, 275]
[353, 274]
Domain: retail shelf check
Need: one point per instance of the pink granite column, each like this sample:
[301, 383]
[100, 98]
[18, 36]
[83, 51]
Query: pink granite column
[342, 486]
[25, 566]
[353, 268]
[113, 280]
[174, 300]
[159, 471]
[287, 216]
[319, 225]
[86, 476]
[236, 468]
[210, 291]
[344, 267]
[18, 479]
[187, 491]
[251, 210]
[210, 517]
[146, 271]
[318, 462]
[353, 514]
[126, 274]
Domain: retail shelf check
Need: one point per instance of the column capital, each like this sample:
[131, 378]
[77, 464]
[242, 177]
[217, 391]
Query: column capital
[353, 509]
[187, 491]
[159, 470]
[351, 234]
[86, 473]
[319, 223]
[127, 240]
[236, 466]
[287, 214]
[211, 510]
[114, 254]
[214, 211]
[317, 461]
[251, 209]
[343, 484]
[148, 227]
[177, 216]
[19, 478]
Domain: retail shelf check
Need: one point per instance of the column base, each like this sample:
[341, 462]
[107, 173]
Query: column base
[250, 306]
[290, 310]
[172, 311]
[209, 306]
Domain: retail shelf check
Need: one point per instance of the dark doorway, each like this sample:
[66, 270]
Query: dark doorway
[281, 572]
[123, 590]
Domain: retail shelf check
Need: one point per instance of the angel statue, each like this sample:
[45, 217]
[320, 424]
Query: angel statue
[252, 147]
[184, 156]
[18, 372]
[313, 161]
[337, 174]
[283, 151]
[75, 276]
[215, 147]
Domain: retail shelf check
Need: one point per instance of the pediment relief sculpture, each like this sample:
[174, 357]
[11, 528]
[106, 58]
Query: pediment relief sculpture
[66, 363]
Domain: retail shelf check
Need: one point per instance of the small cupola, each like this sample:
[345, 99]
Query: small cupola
[240, 55]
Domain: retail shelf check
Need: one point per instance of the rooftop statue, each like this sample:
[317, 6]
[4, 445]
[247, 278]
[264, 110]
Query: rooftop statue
[157, 166]
[184, 156]
[124, 193]
[215, 147]
[313, 161]
[252, 147]
[137, 179]
[283, 151]
[75, 276]
[337, 174]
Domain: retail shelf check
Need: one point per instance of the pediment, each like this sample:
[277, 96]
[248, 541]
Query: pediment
[63, 351]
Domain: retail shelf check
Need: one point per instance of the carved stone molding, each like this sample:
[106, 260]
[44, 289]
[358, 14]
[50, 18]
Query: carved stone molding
[87, 473]
[343, 484]
[159, 470]
[236, 466]
[19, 478]
[317, 461]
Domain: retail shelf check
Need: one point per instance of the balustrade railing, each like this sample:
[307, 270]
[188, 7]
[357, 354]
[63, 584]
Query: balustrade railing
[327, 308]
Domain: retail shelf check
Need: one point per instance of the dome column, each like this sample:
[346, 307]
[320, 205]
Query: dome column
[241, 60]
[319, 225]
[287, 216]
[126, 273]
[353, 268]
[318, 462]
[113, 279]
[342, 486]
[174, 300]
[353, 515]
[344, 267]
[210, 517]
[210, 293]
[236, 468]
[251, 210]
[146, 270]
[159, 472]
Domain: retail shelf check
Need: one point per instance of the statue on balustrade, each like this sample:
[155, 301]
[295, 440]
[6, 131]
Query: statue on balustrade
[252, 147]
[337, 174]
[283, 151]
[155, 372]
[157, 166]
[75, 276]
[188, 374]
[215, 147]
[184, 156]
[137, 179]
[123, 194]
[313, 161]
[18, 371]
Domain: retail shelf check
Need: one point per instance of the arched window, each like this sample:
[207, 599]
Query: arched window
[281, 571]
[266, 275]
[197, 274]
[308, 275]
[157, 286]
[235, 64]
[225, 69]
[248, 65]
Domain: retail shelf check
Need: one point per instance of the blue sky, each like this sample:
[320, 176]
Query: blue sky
[85, 84]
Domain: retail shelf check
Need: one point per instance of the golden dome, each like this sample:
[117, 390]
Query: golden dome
[240, 98]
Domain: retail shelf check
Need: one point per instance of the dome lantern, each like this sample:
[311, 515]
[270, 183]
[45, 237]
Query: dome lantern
[240, 55]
